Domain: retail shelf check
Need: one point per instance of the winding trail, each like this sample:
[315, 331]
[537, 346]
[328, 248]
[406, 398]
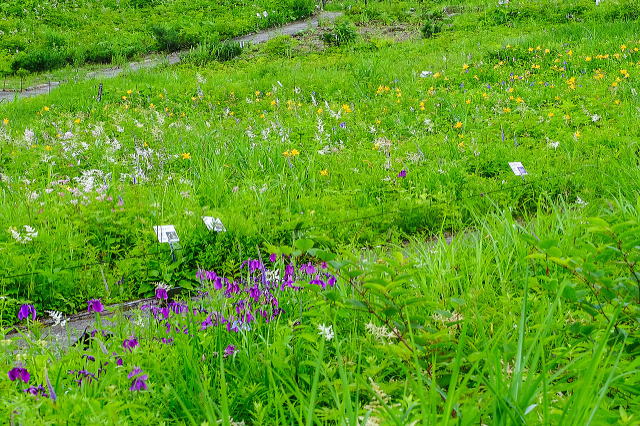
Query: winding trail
[153, 61]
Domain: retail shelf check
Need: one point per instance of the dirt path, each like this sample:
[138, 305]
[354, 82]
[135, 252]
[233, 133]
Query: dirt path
[151, 62]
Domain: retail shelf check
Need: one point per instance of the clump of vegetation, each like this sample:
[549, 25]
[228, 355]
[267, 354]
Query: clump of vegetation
[342, 33]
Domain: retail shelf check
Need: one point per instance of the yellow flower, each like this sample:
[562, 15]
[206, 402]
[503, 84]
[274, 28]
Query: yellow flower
[577, 134]
[77, 121]
[186, 156]
[124, 98]
[152, 106]
[294, 152]
[550, 114]
[457, 125]
[273, 102]
[507, 109]
[46, 108]
[324, 172]
[5, 121]
[465, 67]
[519, 100]
[468, 101]
[567, 117]
[286, 154]
[617, 102]
[47, 148]
[129, 92]
[588, 59]
[547, 51]
[510, 90]
[320, 111]
[623, 47]
[346, 108]
[160, 95]
[262, 115]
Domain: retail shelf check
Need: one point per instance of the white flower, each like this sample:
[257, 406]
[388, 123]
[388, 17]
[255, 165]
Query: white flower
[581, 202]
[425, 74]
[595, 117]
[326, 331]
[29, 235]
[554, 145]
[57, 318]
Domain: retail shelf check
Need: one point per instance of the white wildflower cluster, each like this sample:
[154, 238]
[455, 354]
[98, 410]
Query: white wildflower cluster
[326, 331]
[376, 406]
[381, 333]
[58, 318]
[23, 238]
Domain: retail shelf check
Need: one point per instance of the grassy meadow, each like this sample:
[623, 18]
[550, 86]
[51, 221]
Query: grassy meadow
[381, 263]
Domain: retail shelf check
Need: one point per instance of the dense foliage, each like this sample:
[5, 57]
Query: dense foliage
[381, 263]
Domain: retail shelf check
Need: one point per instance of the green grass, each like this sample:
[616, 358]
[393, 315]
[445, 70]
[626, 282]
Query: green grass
[44, 36]
[529, 315]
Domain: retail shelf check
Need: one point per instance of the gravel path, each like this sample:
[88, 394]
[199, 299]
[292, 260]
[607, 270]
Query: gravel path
[151, 62]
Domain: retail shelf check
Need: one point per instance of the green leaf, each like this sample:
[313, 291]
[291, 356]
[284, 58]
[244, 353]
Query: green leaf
[304, 244]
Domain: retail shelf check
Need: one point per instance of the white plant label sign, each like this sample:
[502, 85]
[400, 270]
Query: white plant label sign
[166, 234]
[213, 224]
[518, 169]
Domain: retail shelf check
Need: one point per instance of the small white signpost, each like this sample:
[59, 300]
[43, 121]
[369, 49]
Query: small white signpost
[213, 224]
[166, 234]
[518, 169]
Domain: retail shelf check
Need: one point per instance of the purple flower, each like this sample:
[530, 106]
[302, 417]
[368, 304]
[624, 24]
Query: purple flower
[37, 391]
[134, 372]
[273, 257]
[229, 351]
[308, 268]
[89, 357]
[167, 341]
[343, 125]
[27, 311]
[94, 305]
[119, 362]
[161, 293]
[139, 382]
[19, 373]
[130, 343]
[403, 173]
[206, 323]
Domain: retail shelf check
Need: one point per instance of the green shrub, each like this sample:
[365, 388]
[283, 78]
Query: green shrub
[39, 59]
[280, 46]
[344, 32]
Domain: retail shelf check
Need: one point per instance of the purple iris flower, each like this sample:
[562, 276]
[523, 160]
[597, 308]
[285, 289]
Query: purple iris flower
[318, 282]
[130, 343]
[206, 323]
[273, 257]
[161, 293]
[37, 391]
[167, 341]
[229, 351]
[308, 268]
[27, 311]
[139, 381]
[403, 173]
[94, 305]
[19, 373]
